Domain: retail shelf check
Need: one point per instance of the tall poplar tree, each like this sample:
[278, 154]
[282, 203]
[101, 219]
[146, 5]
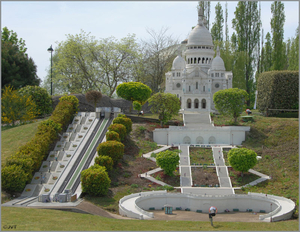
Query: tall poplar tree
[293, 56]
[205, 5]
[217, 28]
[277, 23]
[247, 25]
[267, 54]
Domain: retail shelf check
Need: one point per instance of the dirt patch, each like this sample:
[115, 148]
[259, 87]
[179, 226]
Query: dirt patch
[204, 176]
[170, 180]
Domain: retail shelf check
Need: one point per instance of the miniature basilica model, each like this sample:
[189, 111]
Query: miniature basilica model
[196, 76]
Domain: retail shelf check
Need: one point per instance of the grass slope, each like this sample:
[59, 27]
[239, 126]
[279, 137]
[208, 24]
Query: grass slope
[27, 219]
[14, 137]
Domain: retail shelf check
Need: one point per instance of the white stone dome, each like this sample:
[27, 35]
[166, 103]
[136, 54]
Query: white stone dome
[217, 64]
[200, 36]
[178, 63]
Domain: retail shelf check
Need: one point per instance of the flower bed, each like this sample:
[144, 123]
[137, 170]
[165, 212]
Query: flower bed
[54, 178]
[80, 136]
[62, 166]
[44, 166]
[28, 190]
[37, 177]
[47, 190]
[68, 155]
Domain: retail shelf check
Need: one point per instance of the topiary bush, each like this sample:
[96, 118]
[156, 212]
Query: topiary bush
[105, 161]
[137, 106]
[95, 181]
[63, 113]
[73, 100]
[40, 97]
[168, 161]
[242, 159]
[124, 121]
[120, 129]
[112, 135]
[121, 116]
[13, 178]
[113, 149]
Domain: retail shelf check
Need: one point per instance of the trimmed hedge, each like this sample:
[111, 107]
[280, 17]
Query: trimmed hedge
[30, 156]
[73, 100]
[120, 129]
[278, 90]
[124, 121]
[95, 181]
[105, 161]
[113, 149]
[112, 135]
[13, 178]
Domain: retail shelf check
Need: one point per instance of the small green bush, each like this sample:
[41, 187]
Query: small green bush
[124, 121]
[73, 100]
[137, 106]
[168, 161]
[40, 97]
[95, 181]
[120, 129]
[113, 149]
[121, 116]
[105, 161]
[13, 178]
[112, 135]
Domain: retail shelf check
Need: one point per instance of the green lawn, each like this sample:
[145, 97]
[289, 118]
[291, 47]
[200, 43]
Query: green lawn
[27, 219]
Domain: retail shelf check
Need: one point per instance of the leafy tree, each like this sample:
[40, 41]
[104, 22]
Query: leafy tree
[267, 54]
[137, 106]
[11, 36]
[17, 69]
[165, 105]
[83, 63]
[158, 54]
[16, 107]
[168, 161]
[247, 25]
[40, 97]
[105, 161]
[242, 159]
[113, 149]
[95, 181]
[293, 56]
[134, 91]
[93, 97]
[205, 5]
[217, 28]
[230, 102]
[277, 24]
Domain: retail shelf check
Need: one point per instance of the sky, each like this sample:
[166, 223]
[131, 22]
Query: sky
[45, 23]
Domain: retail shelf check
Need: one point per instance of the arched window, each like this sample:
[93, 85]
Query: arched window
[212, 140]
[199, 60]
[203, 59]
[195, 60]
[203, 104]
[197, 85]
[206, 60]
[189, 103]
[186, 140]
[196, 103]
[199, 140]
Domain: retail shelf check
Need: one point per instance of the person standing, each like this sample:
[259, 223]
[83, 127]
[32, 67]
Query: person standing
[212, 212]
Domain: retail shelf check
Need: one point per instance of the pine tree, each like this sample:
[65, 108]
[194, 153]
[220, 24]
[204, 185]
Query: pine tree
[217, 28]
[277, 23]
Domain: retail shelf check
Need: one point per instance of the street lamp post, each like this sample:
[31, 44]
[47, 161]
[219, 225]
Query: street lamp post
[51, 50]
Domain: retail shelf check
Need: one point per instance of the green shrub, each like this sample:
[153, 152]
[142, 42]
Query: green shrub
[121, 116]
[50, 123]
[278, 90]
[40, 97]
[63, 113]
[113, 149]
[242, 159]
[112, 135]
[124, 121]
[25, 163]
[105, 161]
[73, 100]
[120, 129]
[95, 181]
[168, 161]
[13, 178]
[134, 186]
